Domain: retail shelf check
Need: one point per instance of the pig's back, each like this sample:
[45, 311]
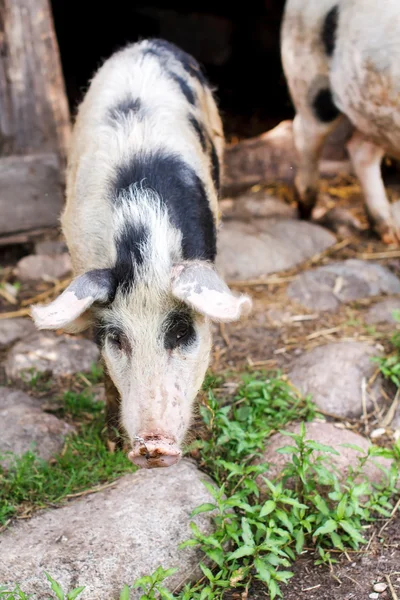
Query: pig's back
[147, 99]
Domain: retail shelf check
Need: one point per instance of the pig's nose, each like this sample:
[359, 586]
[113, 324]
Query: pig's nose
[154, 451]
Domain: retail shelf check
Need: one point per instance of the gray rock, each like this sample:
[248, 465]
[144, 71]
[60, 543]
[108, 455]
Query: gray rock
[50, 353]
[258, 205]
[330, 435]
[111, 538]
[50, 247]
[24, 426]
[325, 288]
[250, 250]
[382, 312]
[36, 267]
[333, 374]
[12, 330]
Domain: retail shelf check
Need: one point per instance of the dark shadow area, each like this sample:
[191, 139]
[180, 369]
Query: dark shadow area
[238, 47]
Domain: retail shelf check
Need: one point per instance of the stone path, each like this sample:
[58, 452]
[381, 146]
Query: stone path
[113, 537]
[300, 323]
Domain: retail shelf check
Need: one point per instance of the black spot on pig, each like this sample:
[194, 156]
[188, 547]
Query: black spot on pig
[329, 29]
[182, 192]
[215, 167]
[324, 107]
[130, 254]
[199, 131]
[162, 49]
[179, 331]
[184, 87]
[124, 108]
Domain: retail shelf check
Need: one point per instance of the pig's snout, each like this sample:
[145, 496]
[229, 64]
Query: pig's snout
[154, 451]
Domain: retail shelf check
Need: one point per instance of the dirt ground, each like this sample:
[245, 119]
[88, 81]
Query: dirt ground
[263, 342]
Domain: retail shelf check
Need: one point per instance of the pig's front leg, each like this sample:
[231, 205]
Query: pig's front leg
[366, 158]
[113, 417]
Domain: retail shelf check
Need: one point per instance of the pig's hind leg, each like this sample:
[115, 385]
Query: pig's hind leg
[311, 126]
[366, 158]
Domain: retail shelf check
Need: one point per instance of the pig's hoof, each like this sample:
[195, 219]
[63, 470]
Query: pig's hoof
[154, 452]
[389, 235]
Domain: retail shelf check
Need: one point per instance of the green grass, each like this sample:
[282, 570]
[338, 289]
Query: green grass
[84, 464]
[256, 537]
[390, 365]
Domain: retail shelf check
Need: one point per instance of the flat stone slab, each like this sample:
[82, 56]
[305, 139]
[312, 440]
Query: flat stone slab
[47, 352]
[382, 312]
[111, 538]
[325, 288]
[333, 375]
[329, 435]
[25, 426]
[12, 330]
[43, 266]
[248, 250]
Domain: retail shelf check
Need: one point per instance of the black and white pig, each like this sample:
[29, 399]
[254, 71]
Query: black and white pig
[140, 222]
[342, 57]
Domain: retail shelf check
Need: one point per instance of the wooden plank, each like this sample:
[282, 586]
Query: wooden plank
[31, 192]
[34, 114]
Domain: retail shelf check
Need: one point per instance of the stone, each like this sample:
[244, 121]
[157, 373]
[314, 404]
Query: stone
[25, 426]
[333, 375]
[338, 219]
[382, 312]
[248, 206]
[12, 330]
[48, 352]
[329, 435]
[50, 247]
[271, 157]
[250, 250]
[325, 288]
[380, 587]
[40, 266]
[111, 538]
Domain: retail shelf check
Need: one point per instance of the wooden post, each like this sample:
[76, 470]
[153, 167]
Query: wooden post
[34, 118]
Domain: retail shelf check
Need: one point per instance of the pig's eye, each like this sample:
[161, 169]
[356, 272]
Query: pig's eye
[115, 340]
[179, 331]
[182, 332]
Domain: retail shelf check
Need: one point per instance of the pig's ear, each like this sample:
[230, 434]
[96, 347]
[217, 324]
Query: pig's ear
[198, 285]
[68, 310]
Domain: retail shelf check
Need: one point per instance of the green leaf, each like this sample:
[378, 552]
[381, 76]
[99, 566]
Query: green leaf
[268, 507]
[76, 592]
[125, 593]
[207, 507]
[55, 587]
[341, 508]
[292, 502]
[351, 531]
[353, 447]
[283, 576]
[329, 526]
[217, 556]
[263, 570]
[282, 516]
[287, 450]
[274, 590]
[247, 533]
[299, 541]
[207, 572]
[321, 447]
[336, 541]
[242, 551]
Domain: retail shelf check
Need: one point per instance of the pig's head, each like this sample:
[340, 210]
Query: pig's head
[155, 338]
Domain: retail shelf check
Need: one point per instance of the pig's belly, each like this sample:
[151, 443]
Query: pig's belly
[370, 97]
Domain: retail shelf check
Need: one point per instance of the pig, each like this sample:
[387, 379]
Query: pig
[140, 221]
[342, 57]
